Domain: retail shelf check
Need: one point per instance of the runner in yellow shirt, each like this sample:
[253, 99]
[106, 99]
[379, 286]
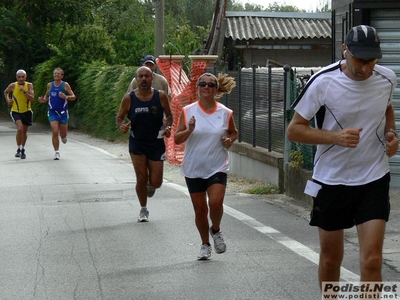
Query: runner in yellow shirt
[20, 95]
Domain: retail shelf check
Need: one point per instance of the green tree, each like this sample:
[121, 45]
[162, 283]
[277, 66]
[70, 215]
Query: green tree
[252, 7]
[276, 7]
[44, 12]
[235, 5]
[175, 7]
[130, 24]
[324, 6]
[203, 19]
[27, 27]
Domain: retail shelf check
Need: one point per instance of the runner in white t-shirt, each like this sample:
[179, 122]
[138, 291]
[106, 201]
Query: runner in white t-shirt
[355, 135]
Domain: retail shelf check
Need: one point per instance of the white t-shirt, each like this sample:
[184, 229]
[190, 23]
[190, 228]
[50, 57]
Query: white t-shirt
[348, 103]
[205, 155]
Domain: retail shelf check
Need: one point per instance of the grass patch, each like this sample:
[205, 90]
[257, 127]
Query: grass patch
[251, 186]
[262, 190]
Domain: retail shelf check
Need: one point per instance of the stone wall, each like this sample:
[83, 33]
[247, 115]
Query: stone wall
[259, 164]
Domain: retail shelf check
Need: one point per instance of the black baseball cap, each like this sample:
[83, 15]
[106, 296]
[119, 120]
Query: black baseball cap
[149, 58]
[363, 42]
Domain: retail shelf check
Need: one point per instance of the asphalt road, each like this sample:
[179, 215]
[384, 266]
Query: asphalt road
[68, 230]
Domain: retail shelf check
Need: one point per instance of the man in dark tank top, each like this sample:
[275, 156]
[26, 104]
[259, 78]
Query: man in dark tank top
[150, 120]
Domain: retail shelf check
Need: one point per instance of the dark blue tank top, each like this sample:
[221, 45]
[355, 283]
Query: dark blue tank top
[55, 101]
[147, 117]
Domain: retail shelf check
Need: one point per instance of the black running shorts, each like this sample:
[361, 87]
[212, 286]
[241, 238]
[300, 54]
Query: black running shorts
[200, 185]
[340, 206]
[26, 117]
[153, 149]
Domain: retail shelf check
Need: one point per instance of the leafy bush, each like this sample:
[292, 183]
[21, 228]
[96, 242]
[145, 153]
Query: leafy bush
[101, 88]
[296, 159]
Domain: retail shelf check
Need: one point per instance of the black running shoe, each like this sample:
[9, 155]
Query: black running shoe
[18, 154]
[23, 155]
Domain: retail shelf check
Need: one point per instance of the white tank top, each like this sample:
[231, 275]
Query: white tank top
[205, 155]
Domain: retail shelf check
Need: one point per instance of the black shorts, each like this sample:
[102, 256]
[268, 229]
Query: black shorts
[340, 206]
[200, 185]
[26, 117]
[152, 149]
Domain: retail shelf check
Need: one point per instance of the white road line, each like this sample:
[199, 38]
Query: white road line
[289, 243]
[270, 232]
[275, 235]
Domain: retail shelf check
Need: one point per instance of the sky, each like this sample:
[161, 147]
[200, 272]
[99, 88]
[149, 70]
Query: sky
[308, 5]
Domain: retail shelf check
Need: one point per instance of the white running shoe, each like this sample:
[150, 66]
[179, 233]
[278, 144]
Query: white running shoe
[64, 140]
[219, 244]
[143, 215]
[205, 252]
[57, 156]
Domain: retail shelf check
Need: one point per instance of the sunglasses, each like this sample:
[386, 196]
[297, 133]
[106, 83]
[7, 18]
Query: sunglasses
[209, 84]
[362, 61]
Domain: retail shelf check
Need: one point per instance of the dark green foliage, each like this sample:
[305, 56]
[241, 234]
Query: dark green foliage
[26, 28]
[130, 24]
[42, 12]
[21, 47]
[88, 43]
[104, 104]
[96, 43]
[84, 110]
[101, 89]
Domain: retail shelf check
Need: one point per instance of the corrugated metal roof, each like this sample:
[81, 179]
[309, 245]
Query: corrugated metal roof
[256, 25]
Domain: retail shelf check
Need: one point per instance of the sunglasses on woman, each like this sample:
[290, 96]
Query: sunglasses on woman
[209, 84]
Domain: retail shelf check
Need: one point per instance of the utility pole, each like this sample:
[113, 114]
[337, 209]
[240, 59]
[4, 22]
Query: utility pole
[159, 28]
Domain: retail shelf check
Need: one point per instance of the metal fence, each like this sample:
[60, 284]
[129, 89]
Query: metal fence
[258, 105]
[298, 81]
[258, 102]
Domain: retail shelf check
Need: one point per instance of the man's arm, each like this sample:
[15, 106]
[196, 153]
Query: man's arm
[299, 130]
[390, 119]
[70, 94]
[7, 92]
[43, 99]
[123, 111]
[392, 141]
[160, 83]
[30, 94]
[167, 89]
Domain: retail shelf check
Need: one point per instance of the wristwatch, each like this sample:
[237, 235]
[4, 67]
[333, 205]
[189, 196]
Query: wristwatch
[394, 131]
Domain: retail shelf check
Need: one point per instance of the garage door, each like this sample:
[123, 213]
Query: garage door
[387, 23]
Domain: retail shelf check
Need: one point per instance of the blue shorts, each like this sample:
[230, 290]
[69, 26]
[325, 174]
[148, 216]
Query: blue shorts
[61, 116]
[340, 206]
[26, 117]
[153, 149]
[200, 185]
